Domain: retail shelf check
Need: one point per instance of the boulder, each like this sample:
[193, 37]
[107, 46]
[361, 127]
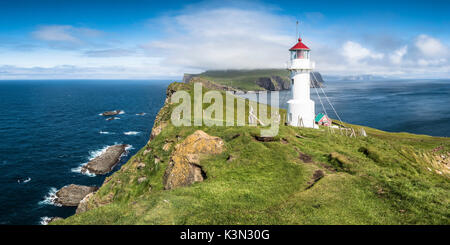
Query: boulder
[111, 113]
[105, 162]
[184, 166]
[71, 195]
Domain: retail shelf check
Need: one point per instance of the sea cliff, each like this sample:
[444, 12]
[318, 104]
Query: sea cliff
[230, 175]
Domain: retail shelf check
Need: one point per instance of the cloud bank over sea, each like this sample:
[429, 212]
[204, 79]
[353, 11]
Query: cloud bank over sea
[231, 35]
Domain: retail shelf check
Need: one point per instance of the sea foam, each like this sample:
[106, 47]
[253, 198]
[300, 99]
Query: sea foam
[24, 181]
[131, 133]
[105, 132]
[50, 198]
[45, 220]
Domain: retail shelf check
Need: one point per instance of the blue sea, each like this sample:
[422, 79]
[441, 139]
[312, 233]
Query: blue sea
[414, 106]
[49, 129]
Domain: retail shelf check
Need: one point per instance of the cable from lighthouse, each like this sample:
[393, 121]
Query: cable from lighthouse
[329, 102]
[315, 89]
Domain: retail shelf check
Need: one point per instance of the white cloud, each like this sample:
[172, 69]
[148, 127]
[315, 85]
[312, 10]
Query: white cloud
[65, 36]
[397, 56]
[203, 37]
[55, 33]
[354, 52]
[431, 47]
[225, 38]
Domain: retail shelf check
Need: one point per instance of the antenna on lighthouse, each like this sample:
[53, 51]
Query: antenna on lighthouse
[296, 30]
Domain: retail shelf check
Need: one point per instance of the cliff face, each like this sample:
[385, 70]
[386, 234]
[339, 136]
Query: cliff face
[273, 83]
[227, 175]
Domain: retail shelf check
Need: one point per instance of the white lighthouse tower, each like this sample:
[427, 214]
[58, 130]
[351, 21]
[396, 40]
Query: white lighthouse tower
[300, 107]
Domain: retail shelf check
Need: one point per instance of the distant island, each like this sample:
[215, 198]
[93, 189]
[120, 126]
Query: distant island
[248, 80]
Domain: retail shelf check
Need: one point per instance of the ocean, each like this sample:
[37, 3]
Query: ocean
[49, 129]
[414, 106]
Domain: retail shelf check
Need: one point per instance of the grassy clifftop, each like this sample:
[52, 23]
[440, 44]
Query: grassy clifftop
[302, 176]
[245, 80]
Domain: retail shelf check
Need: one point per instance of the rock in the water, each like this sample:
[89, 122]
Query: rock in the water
[83, 205]
[184, 167]
[111, 113]
[112, 118]
[71, 195]
[105, 162]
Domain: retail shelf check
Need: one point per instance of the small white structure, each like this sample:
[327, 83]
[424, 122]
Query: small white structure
[301, 107]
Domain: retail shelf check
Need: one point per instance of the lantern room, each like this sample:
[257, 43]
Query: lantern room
[299, 51]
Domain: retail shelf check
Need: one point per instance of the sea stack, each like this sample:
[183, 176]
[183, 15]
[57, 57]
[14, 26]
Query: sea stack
[71, 195]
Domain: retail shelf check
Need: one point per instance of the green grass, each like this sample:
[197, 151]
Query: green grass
[243, 79]
[380, 179]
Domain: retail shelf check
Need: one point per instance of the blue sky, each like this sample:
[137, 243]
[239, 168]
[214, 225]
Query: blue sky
[44, 39]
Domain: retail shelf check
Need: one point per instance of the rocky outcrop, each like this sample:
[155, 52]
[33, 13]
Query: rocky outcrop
[83, 205]
[111, 113]
[184, 166]
[105, 162]
[71, 195]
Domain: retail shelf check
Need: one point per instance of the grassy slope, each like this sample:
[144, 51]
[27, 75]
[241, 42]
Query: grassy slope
[243, 79]
[266, 183]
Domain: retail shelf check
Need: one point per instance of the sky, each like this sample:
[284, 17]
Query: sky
[140, 39]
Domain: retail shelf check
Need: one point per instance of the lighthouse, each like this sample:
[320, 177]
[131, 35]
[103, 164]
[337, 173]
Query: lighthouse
[300, 106]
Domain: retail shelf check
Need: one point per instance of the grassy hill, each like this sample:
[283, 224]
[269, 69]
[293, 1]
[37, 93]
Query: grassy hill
[245, 80]
[304, 176]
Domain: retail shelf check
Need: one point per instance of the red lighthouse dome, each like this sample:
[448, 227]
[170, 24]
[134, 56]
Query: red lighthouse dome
[299, 46]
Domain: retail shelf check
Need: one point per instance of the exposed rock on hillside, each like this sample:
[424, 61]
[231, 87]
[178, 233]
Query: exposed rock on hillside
[184, 167]
[273, 83]
[83, 205]
[71, 195]
[105, 162]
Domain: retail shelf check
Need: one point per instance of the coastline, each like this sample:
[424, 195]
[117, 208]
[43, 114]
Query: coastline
[158, 156]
